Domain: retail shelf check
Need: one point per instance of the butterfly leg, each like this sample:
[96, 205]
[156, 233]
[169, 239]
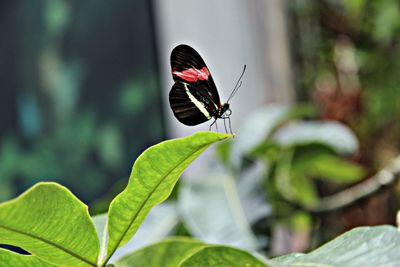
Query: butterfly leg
[230, 126]
[216, 126]
[226, 130]
[229, 123]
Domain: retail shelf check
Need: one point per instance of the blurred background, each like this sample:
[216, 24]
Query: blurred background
[84, 90]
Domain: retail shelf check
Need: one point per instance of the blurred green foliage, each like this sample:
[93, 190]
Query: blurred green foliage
[304, 161]
[293, 169]
[84, 95]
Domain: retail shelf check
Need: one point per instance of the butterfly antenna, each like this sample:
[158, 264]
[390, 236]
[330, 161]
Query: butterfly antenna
[237, 85]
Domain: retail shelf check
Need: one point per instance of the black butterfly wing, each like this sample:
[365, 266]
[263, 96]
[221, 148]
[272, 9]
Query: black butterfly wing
[191, 103]
[188, 67]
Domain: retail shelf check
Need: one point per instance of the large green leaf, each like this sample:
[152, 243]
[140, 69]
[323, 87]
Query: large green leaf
[364, 246]
[51, 223]
[8, 258]
[168, 253]
[152, 179]
[222, 256]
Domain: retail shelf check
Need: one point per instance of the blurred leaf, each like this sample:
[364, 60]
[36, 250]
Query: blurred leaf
[364, 246]
[8, 258]
[307, 153]
[255, 130]
[251, 192]
[268, 151]
[291, 182]
[301, 220]
[132, 97]
[223, 151]
[56, 15]
[354, 7]
[335, 169]
[304, 189]
[66, 89]
[260, 125]
[51, 223]
[282, 175]
[319, 161]
[336, 135]
[153, 177]
[212, 211]
[386, 20]
[110, 145]
[167, 253]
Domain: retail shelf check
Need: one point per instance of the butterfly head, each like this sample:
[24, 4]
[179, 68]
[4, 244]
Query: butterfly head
[225, 111]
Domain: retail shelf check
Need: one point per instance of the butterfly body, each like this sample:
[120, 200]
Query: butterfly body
[194, 98]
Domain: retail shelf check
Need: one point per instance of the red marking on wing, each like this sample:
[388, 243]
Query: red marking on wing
[192, 74]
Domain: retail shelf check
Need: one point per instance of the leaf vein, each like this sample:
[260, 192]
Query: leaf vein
[73, 254]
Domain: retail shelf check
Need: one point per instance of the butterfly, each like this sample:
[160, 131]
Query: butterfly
[194, 98]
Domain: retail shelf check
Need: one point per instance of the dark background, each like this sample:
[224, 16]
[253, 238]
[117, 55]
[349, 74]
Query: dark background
[79, 93]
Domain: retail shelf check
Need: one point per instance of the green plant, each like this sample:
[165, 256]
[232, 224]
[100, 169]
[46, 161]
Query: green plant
[55, 227]
[296, 153]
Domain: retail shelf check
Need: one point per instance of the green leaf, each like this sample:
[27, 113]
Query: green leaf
[51, 223]
[363, 246]
[167, 253]
[153, 177]
[8, 258]
[222, 256]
